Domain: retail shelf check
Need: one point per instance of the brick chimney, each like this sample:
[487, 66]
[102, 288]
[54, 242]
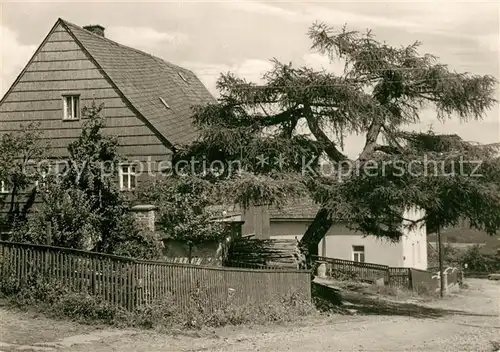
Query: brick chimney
[145, 216]
[96, 29]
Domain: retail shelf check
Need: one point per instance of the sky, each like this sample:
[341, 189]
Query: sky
[210, 37]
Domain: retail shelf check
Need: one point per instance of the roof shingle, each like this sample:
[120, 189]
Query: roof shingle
[143, 79]
[303, 209]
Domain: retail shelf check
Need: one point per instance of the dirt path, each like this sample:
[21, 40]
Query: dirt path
[465, 322]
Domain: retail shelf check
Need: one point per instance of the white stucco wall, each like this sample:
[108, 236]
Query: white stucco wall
[378, 251]
[411, 251]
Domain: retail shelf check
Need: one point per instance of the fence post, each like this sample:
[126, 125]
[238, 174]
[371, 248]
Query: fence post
[133, 286]
[93, 276]
[49, 233]
[410, 280]
[445, 282]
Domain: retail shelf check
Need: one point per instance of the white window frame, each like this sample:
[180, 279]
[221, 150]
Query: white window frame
[42, 184]
[131, 171]
[71, 98]
[3, 188]
[358, 255]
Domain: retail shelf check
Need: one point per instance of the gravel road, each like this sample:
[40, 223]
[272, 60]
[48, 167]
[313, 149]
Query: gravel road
[469, 321]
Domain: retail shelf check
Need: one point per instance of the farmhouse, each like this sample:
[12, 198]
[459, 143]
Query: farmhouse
[147, 105]
[147, 101]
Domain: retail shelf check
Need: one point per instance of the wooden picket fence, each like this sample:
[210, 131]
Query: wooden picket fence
[410, 278]
[351, 270]
[400, 277]
[131, 282]
[367, 272]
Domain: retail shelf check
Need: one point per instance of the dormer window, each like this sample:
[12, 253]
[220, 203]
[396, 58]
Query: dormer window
[71, 107]
[182, 76]
[164, 103]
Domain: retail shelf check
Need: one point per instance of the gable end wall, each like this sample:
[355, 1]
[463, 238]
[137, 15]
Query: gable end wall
[61, 67]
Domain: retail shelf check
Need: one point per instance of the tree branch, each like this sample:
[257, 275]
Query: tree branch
[329, 147]
[386, 149]
[271, 120]
[371, 140]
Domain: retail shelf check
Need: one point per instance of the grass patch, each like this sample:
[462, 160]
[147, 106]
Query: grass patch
[422, 293]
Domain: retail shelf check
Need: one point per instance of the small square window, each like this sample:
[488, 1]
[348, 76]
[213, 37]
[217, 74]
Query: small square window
[128, 177]
[358, 253]
[71, 107]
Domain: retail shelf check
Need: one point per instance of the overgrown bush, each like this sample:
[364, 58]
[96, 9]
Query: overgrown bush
[126, 238]
[87, 308]
[32, 291]
[67, 214]
[451, 256]
[476, 260]
[480, 262]
[186, 209]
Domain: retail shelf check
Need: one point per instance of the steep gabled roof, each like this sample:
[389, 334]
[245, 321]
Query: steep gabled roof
[144, 80]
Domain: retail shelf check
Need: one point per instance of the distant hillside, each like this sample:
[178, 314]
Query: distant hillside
[464, 234]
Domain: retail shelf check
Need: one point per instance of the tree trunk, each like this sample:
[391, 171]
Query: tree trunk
[12, 213]
[440, 256]
[315, 233]
[29, 204]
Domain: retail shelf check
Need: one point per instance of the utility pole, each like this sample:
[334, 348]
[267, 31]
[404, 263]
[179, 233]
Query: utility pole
[440, 256]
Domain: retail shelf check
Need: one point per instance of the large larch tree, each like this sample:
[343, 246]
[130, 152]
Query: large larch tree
[279, 136]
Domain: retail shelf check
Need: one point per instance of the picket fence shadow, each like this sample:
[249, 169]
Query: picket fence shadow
[132, 282]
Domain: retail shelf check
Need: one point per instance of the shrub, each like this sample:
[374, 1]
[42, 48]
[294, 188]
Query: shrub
[164, 313]
[32, 291]
[86, 308]
[68, 213]
[480, 262]
[289, 308]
